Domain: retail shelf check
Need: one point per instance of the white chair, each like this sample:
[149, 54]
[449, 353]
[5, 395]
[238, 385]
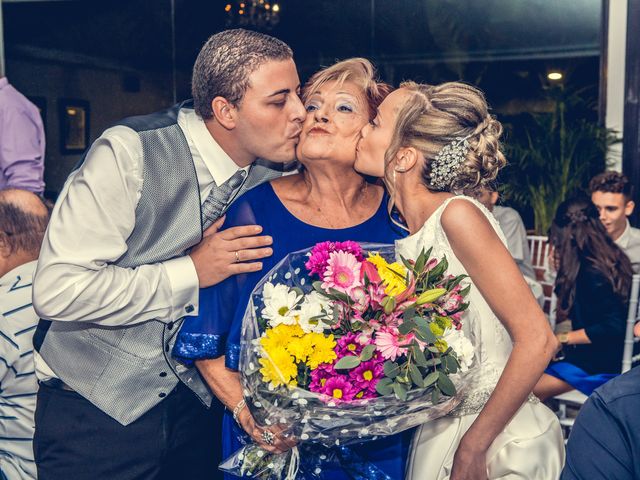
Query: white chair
[628, 358]
[575, 398]
[539, 251]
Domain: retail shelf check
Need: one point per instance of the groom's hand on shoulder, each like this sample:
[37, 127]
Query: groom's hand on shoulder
[221, 254]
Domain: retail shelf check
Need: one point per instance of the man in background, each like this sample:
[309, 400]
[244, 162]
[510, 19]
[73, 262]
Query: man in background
[612, 194]
[22, 141]
[512, 226]
[23, 220]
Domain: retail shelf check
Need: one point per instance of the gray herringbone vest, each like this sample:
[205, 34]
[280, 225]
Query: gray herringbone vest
[127, 370]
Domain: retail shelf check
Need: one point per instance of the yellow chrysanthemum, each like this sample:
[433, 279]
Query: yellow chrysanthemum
[393, 274]
[280, 336]
[301, 347]
[278, 368]
[322, 350]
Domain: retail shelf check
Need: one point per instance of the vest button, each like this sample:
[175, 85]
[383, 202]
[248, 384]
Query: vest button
[166, 347]
[162, 395]
[163, 374]
[170, 325]
[189, 308]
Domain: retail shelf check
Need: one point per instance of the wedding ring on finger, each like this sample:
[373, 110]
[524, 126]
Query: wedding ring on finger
[237, 256]
[268, 437]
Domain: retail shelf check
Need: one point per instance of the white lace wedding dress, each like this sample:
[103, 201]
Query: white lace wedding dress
[531, 446]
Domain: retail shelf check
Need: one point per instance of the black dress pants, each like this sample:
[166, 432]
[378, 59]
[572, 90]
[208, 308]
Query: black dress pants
[178, 439]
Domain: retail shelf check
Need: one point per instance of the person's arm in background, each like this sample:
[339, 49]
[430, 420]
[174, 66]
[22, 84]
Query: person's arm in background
[22, 145]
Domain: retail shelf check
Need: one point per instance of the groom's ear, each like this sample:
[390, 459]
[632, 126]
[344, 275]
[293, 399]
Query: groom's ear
[406, 159]
[224, 112]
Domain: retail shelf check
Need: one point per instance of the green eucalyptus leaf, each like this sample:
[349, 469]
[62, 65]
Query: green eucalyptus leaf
[435, 396]
[430, 379]
[367, 353]
[391, 369]
[400, 391]
[446, 385]
[433, 362]
[383, 387]
[347, 363]
[406, 327]
[416, 376]
[419, 356]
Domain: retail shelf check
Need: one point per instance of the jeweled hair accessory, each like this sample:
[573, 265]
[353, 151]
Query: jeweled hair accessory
[446, 165]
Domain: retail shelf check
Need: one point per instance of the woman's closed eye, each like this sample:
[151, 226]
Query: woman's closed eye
[345, 108]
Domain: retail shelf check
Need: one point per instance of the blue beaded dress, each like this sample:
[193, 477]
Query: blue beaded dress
[216, 330]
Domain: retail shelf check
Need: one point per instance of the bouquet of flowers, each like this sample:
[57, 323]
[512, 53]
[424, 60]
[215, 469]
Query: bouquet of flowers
[341, 344]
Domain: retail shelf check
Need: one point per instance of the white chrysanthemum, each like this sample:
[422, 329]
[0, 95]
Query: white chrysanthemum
[314, 305]
[462, 346]
[279, 304]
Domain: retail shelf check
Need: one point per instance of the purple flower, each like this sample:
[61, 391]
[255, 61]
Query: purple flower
[319, 377]
[348, 345]
[340, 388]
[366, 375]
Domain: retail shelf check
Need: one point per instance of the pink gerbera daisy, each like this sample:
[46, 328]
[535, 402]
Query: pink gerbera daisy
[342, 273]
[320, 253]
[391, 344]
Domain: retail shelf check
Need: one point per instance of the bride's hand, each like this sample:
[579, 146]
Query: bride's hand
[280, 442]
[469, 464]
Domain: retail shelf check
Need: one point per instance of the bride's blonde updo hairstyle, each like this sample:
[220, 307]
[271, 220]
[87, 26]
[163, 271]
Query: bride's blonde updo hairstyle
[435, 117]
[358, 71]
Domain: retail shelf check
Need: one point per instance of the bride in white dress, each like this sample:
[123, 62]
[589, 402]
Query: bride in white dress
[430, 143]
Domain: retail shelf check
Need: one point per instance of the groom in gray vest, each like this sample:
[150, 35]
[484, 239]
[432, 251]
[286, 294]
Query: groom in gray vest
[133, 236]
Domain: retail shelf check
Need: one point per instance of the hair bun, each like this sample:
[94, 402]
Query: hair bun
[484, 158]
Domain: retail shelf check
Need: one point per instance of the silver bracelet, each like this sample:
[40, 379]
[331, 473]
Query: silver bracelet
[236, 411]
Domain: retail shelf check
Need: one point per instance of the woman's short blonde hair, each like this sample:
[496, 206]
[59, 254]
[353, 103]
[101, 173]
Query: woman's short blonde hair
[358, 71]
[435, 116]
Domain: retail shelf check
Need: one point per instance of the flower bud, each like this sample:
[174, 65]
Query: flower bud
[430, 296]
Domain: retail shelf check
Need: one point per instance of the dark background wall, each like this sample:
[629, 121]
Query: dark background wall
[135, 56]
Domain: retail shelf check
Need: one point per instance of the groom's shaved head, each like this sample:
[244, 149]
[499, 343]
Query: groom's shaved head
[225, 63]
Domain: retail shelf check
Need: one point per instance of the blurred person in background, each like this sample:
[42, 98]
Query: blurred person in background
[592, 285]
[514, 231]
[612, 194]
[22, 141]
[605, 439]
[23, 220]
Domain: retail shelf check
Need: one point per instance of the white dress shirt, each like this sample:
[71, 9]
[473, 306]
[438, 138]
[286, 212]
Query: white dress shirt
[629, 242]
[76, 279]
[18, 390]
[513, 228]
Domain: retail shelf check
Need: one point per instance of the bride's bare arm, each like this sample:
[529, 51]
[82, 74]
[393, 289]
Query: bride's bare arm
[500, 282]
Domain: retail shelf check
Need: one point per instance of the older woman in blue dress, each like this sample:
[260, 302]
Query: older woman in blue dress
[327, 200]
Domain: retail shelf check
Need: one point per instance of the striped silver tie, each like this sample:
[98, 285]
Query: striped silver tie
[220, 197]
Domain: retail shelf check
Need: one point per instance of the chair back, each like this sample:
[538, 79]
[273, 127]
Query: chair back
[539, 250]
[628, 359]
